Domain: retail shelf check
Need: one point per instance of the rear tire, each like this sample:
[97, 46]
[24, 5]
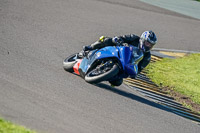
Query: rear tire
[69, 62]
[102, 77]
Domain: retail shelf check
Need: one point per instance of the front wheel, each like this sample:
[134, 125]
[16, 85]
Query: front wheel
[102, 73]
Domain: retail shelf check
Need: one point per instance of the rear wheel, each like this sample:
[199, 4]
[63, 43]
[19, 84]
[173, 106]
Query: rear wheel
[102, 72]
[69, 62]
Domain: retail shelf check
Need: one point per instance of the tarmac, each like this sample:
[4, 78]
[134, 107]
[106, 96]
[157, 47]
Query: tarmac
[170, 53]
[187, 7]
[36, 92]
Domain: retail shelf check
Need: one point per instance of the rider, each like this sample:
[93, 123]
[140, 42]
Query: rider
[144, 43]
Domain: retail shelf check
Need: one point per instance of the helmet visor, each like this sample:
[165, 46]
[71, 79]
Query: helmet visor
[148, 45]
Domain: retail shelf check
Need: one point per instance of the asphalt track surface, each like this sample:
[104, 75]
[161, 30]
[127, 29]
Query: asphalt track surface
[35, 91]
[187, 7]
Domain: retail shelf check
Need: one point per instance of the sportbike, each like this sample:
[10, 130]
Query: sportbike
[111, 63]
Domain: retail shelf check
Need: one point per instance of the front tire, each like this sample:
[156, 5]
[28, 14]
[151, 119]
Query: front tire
[102, 77]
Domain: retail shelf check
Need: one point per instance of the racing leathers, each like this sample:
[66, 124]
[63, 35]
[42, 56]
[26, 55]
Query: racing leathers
[127, 39]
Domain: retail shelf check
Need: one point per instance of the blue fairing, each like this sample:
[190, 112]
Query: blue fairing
[107, 52]
[97, 55]
[122, 53]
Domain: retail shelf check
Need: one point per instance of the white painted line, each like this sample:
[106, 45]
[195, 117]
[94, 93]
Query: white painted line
[174, 50]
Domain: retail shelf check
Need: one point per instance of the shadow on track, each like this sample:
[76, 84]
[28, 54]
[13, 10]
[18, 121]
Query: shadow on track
[147, 102]
[131, 96]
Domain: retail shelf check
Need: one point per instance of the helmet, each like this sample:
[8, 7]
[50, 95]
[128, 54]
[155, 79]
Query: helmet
[147, 40]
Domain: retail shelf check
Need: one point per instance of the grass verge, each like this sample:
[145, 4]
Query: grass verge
[181, 75]
[8, 127]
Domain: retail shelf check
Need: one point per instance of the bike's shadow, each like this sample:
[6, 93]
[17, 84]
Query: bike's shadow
[132, 96]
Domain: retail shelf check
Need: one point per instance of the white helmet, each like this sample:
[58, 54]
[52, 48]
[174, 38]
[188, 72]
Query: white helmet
[147, 40]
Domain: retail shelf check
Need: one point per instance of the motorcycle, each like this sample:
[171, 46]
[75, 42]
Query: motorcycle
[111, 63]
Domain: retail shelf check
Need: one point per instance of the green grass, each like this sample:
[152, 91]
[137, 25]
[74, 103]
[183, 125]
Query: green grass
[197, 0]
[181, 74]
[8, 127]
